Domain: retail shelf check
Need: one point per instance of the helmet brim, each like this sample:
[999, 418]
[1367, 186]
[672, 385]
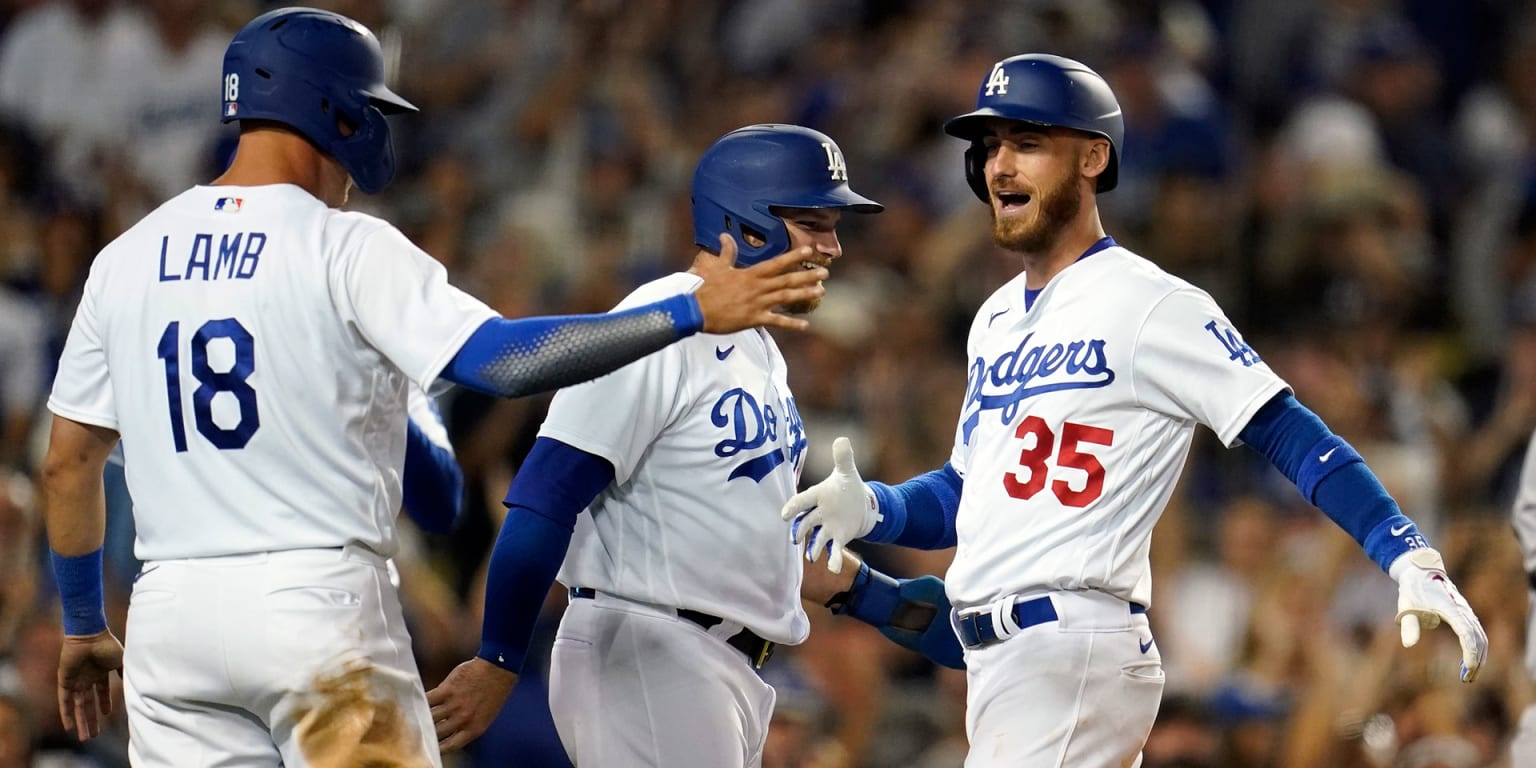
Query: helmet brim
[389, 102]
[971, 126]
[842, 197]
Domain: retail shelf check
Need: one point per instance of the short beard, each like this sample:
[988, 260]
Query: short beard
[801, 307]
[1057, 208]
[804, 307]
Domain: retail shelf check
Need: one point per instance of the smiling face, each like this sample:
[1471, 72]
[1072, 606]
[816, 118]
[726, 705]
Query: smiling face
[1036, 175]
[814, 227]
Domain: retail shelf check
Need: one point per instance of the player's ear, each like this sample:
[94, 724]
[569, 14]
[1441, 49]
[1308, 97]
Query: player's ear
[1094, 159]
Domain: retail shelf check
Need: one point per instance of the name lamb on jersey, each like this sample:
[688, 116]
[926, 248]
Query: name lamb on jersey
[237, 257]
[1029, 370]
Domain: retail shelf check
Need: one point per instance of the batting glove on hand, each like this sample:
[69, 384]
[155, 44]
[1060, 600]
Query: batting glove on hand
[1426, 597]
[833, 512]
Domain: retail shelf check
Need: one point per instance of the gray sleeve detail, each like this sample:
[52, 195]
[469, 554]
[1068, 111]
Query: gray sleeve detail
[570, 351]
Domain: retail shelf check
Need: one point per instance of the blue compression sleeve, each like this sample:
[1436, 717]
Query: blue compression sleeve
[1333, 476]
[513, 358]
[433, 483]
[555, 483]
[919, 513]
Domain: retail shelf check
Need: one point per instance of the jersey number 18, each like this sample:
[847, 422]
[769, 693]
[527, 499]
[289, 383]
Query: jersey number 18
[211, 382]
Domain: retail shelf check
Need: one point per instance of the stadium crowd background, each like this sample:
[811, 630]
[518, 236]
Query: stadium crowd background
[1354, 180]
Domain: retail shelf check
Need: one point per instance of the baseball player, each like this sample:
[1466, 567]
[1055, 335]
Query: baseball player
[680, 583]
[1523, 749]
[1088, 374]
[253, 346]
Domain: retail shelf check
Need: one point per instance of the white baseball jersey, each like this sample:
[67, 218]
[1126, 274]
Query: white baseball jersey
[253, 348]
[706, 446]
[1078, 416]
[1525, 533]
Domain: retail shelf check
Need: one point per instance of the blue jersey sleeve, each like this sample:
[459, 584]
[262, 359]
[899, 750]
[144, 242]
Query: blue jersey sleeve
[433, 483]
[554, 484]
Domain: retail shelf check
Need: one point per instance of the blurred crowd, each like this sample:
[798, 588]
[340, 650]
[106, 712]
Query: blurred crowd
[1353, 180]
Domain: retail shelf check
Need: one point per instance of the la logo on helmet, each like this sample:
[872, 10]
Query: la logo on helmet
[836, 165]
[998, 81]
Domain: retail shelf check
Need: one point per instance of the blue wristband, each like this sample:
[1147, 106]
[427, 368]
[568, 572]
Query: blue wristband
[1391, 538]
[79, 583]
[687, 316]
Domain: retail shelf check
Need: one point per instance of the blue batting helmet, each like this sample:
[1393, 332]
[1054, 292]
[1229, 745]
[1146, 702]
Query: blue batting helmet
[750, 169]
[321, 74]
[1044, 90]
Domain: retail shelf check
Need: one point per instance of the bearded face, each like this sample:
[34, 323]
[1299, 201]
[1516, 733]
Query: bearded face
[1032, 224]
[817, 228]
[1035, 175]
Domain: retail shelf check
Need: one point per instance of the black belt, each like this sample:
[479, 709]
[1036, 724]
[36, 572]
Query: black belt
[756, 649]
[976, 629]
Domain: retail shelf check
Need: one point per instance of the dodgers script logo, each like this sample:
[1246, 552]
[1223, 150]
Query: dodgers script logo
[752, 427]
[1026, 371]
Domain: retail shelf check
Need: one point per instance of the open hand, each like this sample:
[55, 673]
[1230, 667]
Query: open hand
[467, 701]
[1426, 597]
[85, 690]
[834, 512]
[734, 299]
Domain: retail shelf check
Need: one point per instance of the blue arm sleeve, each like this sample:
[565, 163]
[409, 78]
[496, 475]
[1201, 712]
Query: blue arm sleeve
[1331, 474]
[513, 358]
[433, 483]
[555, 483]
[919, 513]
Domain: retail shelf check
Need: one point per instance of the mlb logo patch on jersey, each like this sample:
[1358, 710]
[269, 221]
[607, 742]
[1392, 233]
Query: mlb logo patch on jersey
[228, 204]
[230, 109]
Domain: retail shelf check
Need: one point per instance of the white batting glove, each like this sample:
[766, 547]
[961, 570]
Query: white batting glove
[1426, 597]
[833, 512]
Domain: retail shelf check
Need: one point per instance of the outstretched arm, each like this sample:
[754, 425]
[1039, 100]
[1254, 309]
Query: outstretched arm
[514, 358]
[1333, 476]
[555, 483]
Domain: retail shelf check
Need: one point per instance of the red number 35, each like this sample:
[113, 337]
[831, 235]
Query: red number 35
[1035, 458]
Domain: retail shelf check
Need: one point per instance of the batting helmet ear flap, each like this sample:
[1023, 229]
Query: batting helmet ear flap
[366, 153]
[976, 171]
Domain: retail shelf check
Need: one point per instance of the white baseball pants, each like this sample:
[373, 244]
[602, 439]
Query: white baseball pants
[1079, 692]
[224, 656]
[633, 685]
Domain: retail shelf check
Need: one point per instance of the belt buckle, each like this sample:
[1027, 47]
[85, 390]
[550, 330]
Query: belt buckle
[966, 627]
[764, 653]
